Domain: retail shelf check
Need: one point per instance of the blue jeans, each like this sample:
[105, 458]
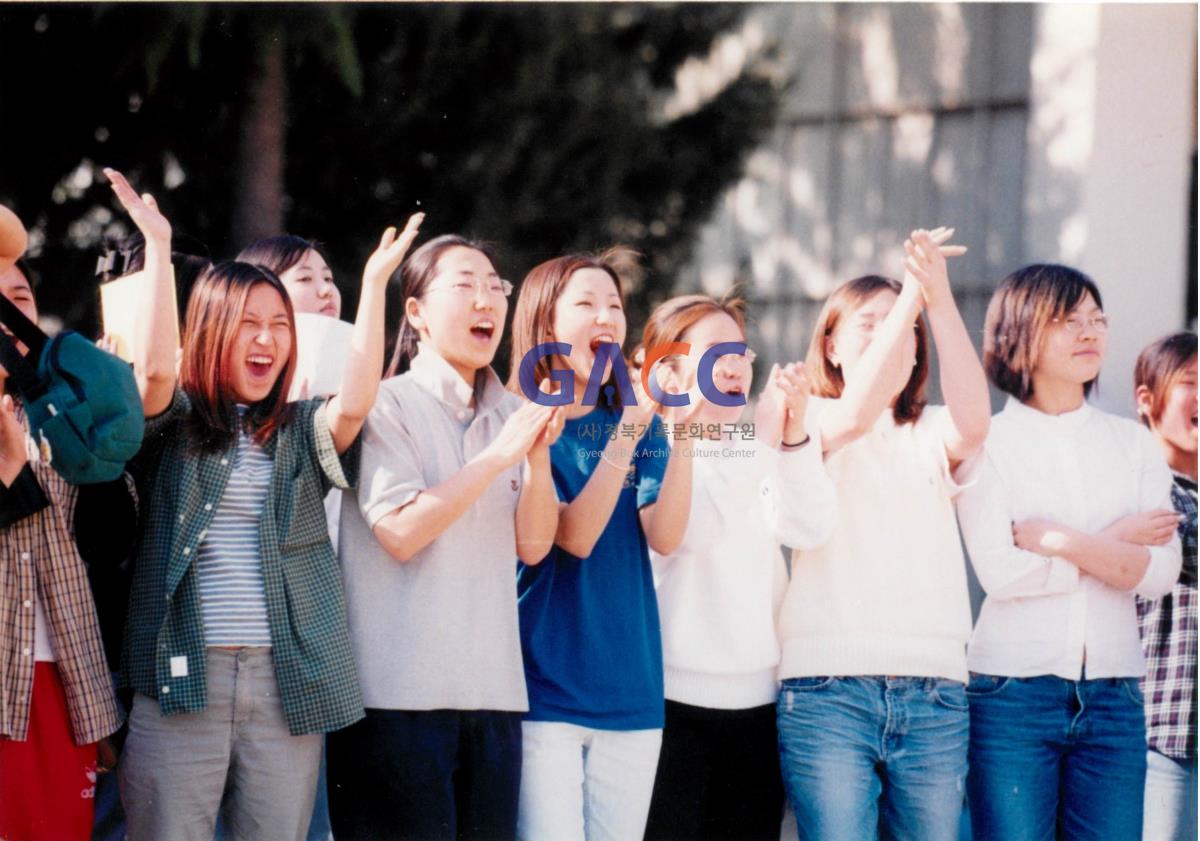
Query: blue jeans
[874, 756]
[318, 827]
[1170, 798]
[1056, 758]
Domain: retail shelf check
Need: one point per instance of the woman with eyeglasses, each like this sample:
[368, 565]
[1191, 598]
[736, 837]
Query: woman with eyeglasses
[1064, 526]
[455, 489]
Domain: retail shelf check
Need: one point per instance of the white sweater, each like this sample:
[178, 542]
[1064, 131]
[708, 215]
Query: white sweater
[887, 595]
[1083, 469]
[719, 592]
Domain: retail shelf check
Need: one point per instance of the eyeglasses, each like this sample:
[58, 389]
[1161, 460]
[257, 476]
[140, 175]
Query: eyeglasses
[470, 288]
[1074, 324]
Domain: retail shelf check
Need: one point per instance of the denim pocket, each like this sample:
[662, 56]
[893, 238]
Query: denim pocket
[807, 684]
[1132, 688]
[982, 686]
[950, 694]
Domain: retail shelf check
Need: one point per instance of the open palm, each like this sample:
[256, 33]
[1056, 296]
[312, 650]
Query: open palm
[143, 209]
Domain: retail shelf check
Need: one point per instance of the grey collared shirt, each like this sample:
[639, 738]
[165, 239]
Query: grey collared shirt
[440, 631]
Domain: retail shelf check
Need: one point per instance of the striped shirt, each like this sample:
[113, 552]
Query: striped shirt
[181, 487]
[233, 600]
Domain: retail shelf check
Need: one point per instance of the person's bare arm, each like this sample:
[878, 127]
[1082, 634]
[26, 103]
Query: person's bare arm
[156, 337]
[410, 528]
[348, 409]
[964, 385]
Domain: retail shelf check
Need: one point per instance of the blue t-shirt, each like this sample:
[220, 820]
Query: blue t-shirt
[589, 626]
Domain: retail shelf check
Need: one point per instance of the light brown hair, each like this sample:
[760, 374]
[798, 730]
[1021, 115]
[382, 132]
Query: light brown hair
[671, 319]
[214, 316]
[826, 378]
[1019, 317]
[533, 318]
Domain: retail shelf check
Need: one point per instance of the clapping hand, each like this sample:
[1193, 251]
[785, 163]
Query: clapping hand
[779, 415]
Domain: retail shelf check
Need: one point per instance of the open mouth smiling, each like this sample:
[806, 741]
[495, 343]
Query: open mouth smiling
[602, 339]
[484, 330]
[259, 364]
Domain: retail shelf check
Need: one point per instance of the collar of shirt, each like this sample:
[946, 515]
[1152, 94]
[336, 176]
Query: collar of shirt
[1184, 481]
[438, 377]
[1065, 424]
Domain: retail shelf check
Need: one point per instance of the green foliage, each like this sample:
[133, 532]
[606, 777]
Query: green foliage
[538, 127]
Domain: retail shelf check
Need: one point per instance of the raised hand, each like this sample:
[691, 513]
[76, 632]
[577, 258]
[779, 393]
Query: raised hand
[360, 374]
[143, 210]
[792, 380]
[384, 261]
[13, 455]
[925, 262]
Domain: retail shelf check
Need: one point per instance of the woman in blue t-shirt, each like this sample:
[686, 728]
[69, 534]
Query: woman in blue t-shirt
[589, 617]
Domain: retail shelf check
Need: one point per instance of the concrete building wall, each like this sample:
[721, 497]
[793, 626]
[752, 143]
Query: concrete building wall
[1048, 133]
[1111, 137]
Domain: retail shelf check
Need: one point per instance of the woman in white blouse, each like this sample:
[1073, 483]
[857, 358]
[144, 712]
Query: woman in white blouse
[720, 590]
[871, 713]
[1061, 527]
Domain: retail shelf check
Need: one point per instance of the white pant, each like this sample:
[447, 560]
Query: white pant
[583, 784]
[1170, 808]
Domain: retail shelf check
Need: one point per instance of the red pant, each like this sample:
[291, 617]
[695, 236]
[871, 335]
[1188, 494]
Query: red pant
[48, 781]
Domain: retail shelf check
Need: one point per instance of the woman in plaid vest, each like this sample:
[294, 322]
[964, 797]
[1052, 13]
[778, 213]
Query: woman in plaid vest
[1165, 388]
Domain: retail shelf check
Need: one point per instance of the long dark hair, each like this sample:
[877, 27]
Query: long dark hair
[415, 274]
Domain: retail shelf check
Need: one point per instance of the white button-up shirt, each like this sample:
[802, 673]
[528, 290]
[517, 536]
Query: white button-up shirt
[1083, 469]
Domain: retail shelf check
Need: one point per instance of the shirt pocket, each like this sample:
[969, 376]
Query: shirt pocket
[307, 526]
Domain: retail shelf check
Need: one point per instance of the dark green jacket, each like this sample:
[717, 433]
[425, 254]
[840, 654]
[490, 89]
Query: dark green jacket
[180, 488]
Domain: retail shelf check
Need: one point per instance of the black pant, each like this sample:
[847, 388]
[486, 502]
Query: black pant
[441, 774]
[718, 776]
